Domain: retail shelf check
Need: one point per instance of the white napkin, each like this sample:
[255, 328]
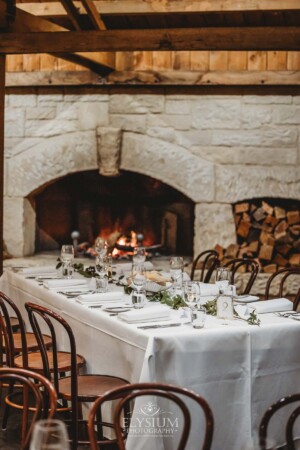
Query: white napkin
[126, 267]
[105, 297]
[246, 298]
[57, 284]
[273, 305]
[207, 289]
[152, 313]
[37, 270]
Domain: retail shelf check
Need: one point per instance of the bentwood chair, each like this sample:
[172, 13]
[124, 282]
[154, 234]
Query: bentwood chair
[208, 262]
[21, 350]
[282, 275]
[74, 388]
[175, 394]
[250, 265]
[41, 392]
[290, 421]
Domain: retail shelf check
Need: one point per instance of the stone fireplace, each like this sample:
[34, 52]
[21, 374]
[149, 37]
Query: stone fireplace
[215, 150]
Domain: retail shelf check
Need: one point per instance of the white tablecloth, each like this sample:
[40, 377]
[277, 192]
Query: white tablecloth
[239, 369]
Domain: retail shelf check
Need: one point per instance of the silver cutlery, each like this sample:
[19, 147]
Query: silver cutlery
[148, 327]
[287, 314]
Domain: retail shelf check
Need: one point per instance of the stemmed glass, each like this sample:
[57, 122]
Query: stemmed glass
[191, 292]
[49, 435]
[223, 277]
[176, 268]
[139, 255]
[67, 258]
[138, 276]
[101, 247]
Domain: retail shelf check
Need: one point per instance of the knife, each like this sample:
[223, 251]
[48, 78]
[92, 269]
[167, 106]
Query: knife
[148, 327]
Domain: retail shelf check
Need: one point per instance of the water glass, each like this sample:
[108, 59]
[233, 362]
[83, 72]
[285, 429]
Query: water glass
[223, 277]
[101, 247]
[191, 292]
[138, 298]
[49, 435]
[198, 316]
[176, 270]
[101, 284]
[67, 258]
[138, 276]
[139, 255]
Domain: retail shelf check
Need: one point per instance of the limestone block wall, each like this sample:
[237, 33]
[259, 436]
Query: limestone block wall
[215, 149]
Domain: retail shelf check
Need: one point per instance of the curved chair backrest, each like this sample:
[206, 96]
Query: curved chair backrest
[44, 401]
[251, 266]
[210, 260]
[7, 331]
[263, 428]
[174, 393]
[283, 274]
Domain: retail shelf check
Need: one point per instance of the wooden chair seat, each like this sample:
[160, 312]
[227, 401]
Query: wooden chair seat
[14, 321]
[31, 342]
[35, 362]
[90, 387]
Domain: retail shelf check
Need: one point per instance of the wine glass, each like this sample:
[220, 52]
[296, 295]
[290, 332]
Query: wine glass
[49, 435]
[67, 258]
[176, 268]
[223, 277]
[191, 292]
[139, 255]
[101, 247]
[138, 276]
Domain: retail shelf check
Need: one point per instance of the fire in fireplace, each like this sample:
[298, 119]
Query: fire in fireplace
[123, 210]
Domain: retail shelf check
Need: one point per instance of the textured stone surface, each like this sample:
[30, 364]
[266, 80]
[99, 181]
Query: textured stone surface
[249, 155]
[41, 112]
[211, 114]
[213, 225]
[49, 160]
[136, 104]
[92, 115]
[169, 163]
[49, 128]
[19, 226]
[129, 122]
[246, 182]
[254, 116]
[287, 114]
[14, 123]
[178, 106]
[109, 148]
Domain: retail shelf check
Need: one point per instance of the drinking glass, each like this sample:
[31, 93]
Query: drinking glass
[49, 435]
[176, 268]
[102, 266]
[139, 255]
[101, 247]
[138, 299]
[67, 258]
[223, 277]
[138, 276]
[191, 292]
[199, 316]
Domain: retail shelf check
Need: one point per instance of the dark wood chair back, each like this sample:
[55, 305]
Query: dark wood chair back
[263, 428]
[283, 275]
[7, 331]
[251, 266]
[209, 260]
[130, 392]
[43, 394]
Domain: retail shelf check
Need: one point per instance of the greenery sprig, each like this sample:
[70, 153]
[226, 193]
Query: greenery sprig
[211, 308]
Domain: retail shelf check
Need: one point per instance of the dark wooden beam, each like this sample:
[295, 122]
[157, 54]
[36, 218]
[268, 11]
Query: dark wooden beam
[155, 78]
[251, 38]
[73, 14]
[2, 106]
[93, 14]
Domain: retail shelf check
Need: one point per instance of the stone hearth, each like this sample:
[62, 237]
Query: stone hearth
[217, 150]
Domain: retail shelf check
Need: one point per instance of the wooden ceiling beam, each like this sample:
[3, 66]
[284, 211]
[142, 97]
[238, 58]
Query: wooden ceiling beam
[117, 7]
[99, 63]
[73, 14]
[94, 15]
[230, 38]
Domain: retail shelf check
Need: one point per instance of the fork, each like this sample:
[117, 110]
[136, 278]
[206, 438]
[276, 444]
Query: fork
[287, 314]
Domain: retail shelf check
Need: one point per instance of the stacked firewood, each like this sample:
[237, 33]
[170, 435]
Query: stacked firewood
[269, 233]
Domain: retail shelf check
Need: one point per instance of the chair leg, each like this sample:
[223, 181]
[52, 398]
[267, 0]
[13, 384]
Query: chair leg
[25, 414]
[7, 408]
[100, 436]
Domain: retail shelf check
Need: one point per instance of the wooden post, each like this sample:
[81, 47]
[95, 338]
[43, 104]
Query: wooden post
[2, 106]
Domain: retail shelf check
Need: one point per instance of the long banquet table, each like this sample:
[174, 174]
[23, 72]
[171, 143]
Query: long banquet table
[239, 369]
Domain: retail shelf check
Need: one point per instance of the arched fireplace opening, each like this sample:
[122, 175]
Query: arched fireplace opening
[113, 206]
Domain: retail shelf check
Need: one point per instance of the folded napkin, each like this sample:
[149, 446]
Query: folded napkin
[37, 270]
[273, 305]
[246, 298]
[57, 284]
[105, 297]
[126, 267]
[152, 313]
[207, 290]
